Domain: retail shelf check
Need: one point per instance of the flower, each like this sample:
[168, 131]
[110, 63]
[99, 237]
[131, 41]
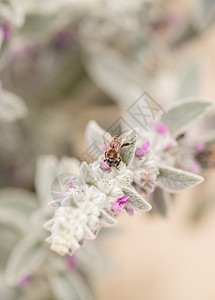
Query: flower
[119, 203]
[24, 281]
[140, 152]
[105, 167]
[199, 148]
[161, 128]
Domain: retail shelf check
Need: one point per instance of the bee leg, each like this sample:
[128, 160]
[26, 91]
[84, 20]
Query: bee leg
[127, 144]
[118, 163]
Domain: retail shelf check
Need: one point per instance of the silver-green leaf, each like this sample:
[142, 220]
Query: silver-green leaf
[87, 174]
[136, 200]
[106, 219]
[94, 133]
[127, 153]
[25, 259]
[12, 107]
[178, 117]
[175, 180]
[16, 206]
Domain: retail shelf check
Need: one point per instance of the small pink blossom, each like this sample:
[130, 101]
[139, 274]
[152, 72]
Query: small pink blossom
[6, 31]
[195, 167]
[161, 128]
[119, 203]
[140, 152]
[103, 148]
[105, 167]
[199, 148]
[24, 281]
[129, 211]
[71, 185]
[71, 262]
[169, 147]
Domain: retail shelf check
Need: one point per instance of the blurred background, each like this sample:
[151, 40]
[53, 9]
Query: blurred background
[63, 63]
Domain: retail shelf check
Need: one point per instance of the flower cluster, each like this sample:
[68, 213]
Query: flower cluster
[94, 198]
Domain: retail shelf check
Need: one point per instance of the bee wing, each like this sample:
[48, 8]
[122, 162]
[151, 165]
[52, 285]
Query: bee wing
[107, 138]
[124, 137]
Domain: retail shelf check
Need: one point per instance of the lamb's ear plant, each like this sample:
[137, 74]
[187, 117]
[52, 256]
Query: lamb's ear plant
[104, 192]
[25, 256]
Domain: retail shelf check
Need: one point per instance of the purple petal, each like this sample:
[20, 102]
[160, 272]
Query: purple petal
[145, 146]
[70, 185]
[161, 128]
[168, 147]
[199, 148]
[105, 167]
[195, 167]
[139, 152]
[24, 281]
[119, 203]
[129, 211]
[71, 262]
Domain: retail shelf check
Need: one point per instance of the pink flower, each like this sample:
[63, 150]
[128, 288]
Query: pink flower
[70, 185]
[105, 167]
[119, 203]
[199, 148]
[24, 281]
[161, 128]
[195, 167]
[169, 147]
[140, 152]
[129, 211]
[71, 262]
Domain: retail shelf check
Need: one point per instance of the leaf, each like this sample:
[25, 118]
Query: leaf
[12, 11]
[136, 200]
[27, 256]
[87, 174]
[66, 286]
[12, 107]
[106, 219]
[161, 201]
[183, 114]
[114, 75]
[16, 206]
[127, 153]
[46, 172]
[94, 133]
[190, 79]
[175, 180]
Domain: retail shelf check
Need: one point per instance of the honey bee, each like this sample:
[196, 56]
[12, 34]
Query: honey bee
[113, 146]
[207, 157]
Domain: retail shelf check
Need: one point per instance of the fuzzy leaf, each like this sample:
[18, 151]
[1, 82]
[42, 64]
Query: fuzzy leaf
[67, 287]
[12, 11]
[46, 171]
[87, 174]
[94, 133]
[136, 200]
[12, 107]
[16, 206]
[106, 219]
[127, 153]
[26, 258]
[114, 75]
[161, 201]
[183, 114]
[175, 180]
